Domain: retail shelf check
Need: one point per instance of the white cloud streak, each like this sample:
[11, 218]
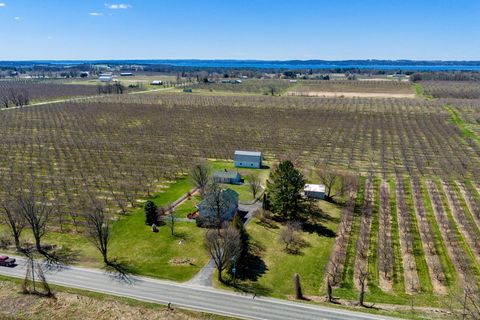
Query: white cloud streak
[3, 4]
[95, 14]
[117, 6]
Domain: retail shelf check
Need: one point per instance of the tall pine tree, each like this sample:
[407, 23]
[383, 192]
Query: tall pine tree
[284, 186]
[237, 223]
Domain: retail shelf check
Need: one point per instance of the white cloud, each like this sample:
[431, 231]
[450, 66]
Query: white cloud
[16, 18]
[117, 6]
[3, 4]
[95, 14]
[49, 37]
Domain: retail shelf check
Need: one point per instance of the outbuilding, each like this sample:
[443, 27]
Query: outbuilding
[105, 78]
[156, 82]
[315, 191]
[226, 176]
[248, 159]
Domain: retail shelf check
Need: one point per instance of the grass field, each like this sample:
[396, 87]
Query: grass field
[78, 305]
[145, 253]
[277, 267]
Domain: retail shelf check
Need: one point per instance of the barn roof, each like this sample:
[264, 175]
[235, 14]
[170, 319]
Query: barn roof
[248, 153]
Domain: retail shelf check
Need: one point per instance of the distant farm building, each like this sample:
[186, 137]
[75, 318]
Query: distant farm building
[315, 191]
[84, 74]
[248, 159]
[226, 176]
[156, 82]
[105, 78]
[126, 74]
[230, 204]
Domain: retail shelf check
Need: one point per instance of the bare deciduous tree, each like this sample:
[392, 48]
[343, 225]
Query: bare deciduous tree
[255, 184]
[290, 236]
[98, 231]
[36, 211]
[216, 204]
[13, 219]
[200, 174]
[223, 246]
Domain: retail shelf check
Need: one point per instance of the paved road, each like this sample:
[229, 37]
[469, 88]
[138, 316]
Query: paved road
[189, 296]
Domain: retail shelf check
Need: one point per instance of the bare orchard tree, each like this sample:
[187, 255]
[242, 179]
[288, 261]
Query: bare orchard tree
[223, 247]
[200, 174]
[362, 280]
[255, 184]
[5, 101]
[329, 178]
[36, 211]
[98, 231]
[10, 215]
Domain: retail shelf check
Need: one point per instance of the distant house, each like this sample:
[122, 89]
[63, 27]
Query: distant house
[156, 82]
[126, 74]
[84, 74]
[248, 159]
[230, 205]
[226, 176]
[315, 191]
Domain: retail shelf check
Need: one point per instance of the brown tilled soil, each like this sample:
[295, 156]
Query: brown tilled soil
[328, 94]
[15, 305]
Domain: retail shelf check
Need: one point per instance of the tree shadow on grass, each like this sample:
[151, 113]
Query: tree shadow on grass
[319, 229]
[252, 288]
[251, 268]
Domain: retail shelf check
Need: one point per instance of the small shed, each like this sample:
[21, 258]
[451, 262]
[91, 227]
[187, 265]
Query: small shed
[315, 191]
[226, 176]
[156, 82]
[248, 159]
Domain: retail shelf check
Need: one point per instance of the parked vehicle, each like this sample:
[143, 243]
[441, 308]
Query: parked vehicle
[6, 261]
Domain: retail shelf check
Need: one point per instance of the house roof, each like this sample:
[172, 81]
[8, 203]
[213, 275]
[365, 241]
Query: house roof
[248, 153]
[226, 174]
[228, 195]
[314, 187]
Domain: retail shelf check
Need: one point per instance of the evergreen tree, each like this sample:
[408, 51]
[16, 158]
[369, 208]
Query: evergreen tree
[151, 215]
[237, 223]
[284, 186]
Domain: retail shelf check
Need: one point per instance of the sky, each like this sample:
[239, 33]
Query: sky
[242, 29]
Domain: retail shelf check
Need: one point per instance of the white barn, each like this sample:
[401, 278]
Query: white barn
[248, 159]
[315, 191]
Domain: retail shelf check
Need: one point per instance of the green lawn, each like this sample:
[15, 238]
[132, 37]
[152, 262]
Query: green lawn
[187, 207]
[145, 252]
[280, 266]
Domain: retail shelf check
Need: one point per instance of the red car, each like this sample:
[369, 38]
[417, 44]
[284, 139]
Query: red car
[6, 261]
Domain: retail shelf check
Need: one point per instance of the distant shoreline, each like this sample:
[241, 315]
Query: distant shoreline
[401, 65]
